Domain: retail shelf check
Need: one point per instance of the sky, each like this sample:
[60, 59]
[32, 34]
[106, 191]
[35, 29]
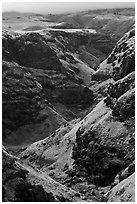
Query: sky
[61, 7]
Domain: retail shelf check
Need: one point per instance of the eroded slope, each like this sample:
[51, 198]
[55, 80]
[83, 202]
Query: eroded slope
[101, 145]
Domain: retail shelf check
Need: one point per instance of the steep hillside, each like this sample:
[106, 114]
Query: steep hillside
[27, 116]
[43, 93]
[101, 145]
[21, 183]
[113, 66]
[88, 47]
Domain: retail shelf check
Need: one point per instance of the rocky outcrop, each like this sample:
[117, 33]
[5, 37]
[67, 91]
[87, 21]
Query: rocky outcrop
[118, 88]
[124, 107]
[120, 62]
[121, 97]
[121, 94]
[123, 56]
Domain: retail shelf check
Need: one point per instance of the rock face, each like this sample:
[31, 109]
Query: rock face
[123, 56]
[120, 62]
[121, 94]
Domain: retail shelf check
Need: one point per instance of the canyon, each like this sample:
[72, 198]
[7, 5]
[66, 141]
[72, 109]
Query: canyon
[68, 106]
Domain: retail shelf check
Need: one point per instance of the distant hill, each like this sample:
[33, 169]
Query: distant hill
[112, 22]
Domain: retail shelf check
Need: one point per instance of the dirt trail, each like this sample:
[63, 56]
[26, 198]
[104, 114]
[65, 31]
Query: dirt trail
[49, 184]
